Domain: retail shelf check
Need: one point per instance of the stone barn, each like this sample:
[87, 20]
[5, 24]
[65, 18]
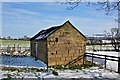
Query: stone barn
[60, 45]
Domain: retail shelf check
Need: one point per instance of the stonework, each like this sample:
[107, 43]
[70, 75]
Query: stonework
[62, 46]
[69, 45]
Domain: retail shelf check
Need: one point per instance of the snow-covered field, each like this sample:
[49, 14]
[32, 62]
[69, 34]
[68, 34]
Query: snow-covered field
[27, 61]
[112, 65]
[93, 72]
[21, 61]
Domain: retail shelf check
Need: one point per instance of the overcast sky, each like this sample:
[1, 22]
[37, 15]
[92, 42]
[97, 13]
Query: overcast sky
[28, 18]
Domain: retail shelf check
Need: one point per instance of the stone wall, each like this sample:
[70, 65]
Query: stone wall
[65, 45]
[42, 51]
[39, 50]
[32, 45]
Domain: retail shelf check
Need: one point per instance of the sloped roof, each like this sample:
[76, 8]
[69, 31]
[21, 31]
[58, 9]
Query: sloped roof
[42, 35]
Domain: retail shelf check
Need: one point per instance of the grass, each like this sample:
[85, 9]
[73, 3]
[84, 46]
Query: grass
[58, 67]
[26, 69]
[72, 67]
[98, 47]
[11, 43]
[24, 43]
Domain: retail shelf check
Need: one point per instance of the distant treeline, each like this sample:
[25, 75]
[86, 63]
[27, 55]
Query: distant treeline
[10, 38]
[14, 39]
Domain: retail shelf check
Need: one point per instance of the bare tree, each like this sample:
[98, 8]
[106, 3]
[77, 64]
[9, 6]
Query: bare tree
[9, 37]
[106, 5]
[115, 39]
[109, 7]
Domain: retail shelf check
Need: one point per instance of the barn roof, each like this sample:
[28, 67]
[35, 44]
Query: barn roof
[42, 35]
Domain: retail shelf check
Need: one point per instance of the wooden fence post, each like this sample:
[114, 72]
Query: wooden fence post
[118, 64]
[105, 61]
[84, 59]
[92, 58]
[0, 48]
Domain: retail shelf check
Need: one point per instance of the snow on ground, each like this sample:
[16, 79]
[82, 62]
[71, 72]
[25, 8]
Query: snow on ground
[93, 72]
[23, 61]
[20, 61]
[111, 53]
[112, 65]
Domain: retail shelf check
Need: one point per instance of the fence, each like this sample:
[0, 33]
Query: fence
[105, 57]
[15, 50]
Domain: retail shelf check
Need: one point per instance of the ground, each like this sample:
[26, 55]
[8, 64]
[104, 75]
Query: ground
[112, 65]
[29, 67]
[21, 43]
[93, 72]
[28, 62]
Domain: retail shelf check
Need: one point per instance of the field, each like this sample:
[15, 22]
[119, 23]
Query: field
[16, 47]
[11, 43]
[28, 67]
[99, 47]
[23, 43]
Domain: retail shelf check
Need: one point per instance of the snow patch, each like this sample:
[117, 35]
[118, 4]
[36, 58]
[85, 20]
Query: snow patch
[21, 61]
[112, 65]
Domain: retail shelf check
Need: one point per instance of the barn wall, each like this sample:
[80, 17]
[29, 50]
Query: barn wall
[32, 44]
[65, 45]
[42, 51]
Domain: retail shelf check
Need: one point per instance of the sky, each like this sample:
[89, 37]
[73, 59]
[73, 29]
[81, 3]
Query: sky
[28, 18]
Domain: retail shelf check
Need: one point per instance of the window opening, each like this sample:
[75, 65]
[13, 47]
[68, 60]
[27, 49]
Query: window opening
[56, 39]
[52, 53]
[68, 51]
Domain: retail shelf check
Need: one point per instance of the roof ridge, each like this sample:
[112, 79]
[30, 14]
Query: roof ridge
[43, 34]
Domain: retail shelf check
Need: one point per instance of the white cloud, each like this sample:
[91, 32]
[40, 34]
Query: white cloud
[9, 13]
[20, 12]
[29, 19]
[84, 24]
